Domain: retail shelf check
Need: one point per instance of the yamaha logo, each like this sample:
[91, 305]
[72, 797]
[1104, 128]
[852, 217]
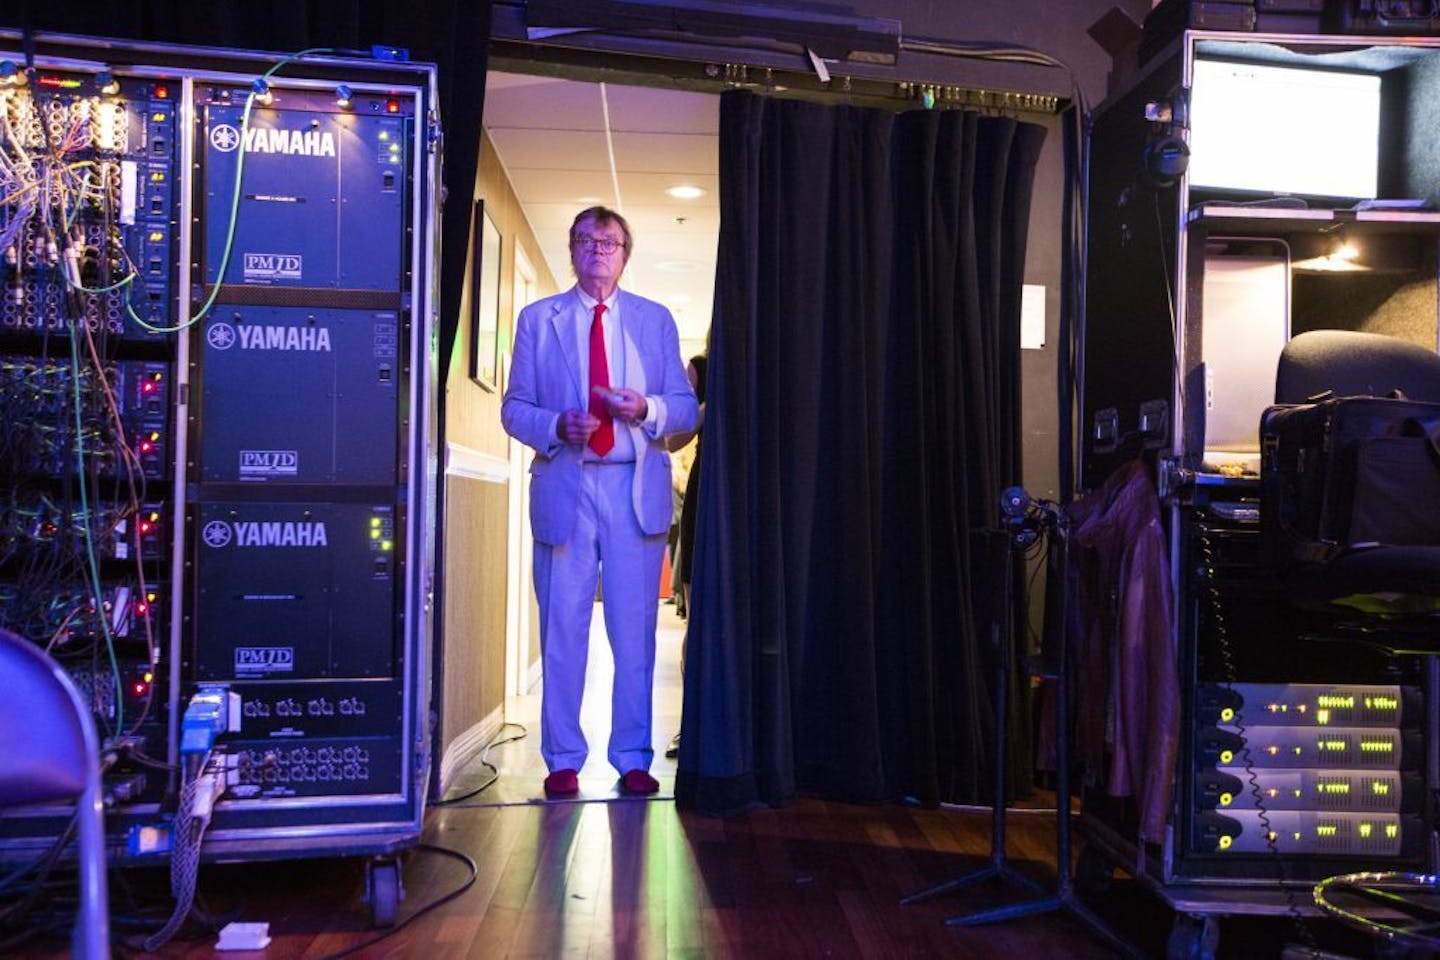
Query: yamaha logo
[297, 143]
[224, 137]
[266, 337]
[221, 336]
[216, 534]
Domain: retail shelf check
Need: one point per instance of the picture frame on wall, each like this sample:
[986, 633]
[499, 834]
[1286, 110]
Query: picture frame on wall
[485, 300]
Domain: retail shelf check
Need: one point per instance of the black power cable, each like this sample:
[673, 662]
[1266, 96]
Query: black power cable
[435, 904]
[494, 773]
[1230, 678]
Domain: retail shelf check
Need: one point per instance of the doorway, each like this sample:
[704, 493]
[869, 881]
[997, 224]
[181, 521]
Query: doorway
[652, 155]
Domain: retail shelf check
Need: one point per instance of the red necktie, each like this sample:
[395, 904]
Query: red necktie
[604, 436]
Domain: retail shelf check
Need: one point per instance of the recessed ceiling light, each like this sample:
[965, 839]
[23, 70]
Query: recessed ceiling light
[677, 266]
[685, 191]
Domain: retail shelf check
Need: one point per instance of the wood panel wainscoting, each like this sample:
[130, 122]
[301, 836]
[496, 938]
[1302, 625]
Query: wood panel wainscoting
[472, 674]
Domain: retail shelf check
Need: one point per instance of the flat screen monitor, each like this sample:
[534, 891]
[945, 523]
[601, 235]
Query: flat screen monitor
[1299, 131]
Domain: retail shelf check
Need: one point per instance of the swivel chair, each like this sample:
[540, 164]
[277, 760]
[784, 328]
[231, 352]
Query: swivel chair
[1350, 515]
[52, 754]
[1350, 484]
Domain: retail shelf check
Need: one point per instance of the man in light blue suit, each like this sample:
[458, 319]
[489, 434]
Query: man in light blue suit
[596, 384]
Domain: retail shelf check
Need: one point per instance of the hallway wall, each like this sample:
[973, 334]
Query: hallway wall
[477, 492]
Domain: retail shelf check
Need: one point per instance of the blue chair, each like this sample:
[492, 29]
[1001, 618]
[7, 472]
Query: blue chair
[52, 754]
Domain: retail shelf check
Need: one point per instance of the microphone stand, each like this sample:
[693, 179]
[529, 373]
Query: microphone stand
[1004, 641]
[1026, 519]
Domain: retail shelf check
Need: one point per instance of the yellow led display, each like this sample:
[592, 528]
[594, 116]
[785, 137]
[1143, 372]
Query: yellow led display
[1332, 745]
[1225, 843]
[1380, 788]
[1322, 717]
[1392, 830]
[1226, 756]
[1381, 703]
[1227, 714]
[1376, 746]
[1333, 787]
[1225, 799]
[1326, 829]
[1334, 700]
[1365, 829]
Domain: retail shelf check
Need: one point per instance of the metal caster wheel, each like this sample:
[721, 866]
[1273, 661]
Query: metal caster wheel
[383, 890]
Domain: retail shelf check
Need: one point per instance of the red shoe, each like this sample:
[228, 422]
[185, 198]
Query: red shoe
[562, 783]
[639, 781]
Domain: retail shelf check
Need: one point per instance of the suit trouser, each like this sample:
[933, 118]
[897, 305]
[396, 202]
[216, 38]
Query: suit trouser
[607, 541]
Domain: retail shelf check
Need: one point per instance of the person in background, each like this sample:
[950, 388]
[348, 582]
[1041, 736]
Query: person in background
[596, 385]
[695, 371]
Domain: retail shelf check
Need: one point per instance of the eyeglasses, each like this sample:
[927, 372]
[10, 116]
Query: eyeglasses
[603, 244]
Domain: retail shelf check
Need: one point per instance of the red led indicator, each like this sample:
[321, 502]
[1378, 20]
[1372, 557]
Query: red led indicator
[139, 689]
[142, 608]
[392, 106]
[146, 526]
[148, 387]
[146, 446]
[162, 92]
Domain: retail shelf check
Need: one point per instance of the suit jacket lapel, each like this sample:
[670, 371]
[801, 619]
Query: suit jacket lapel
[629, 326]
[560, 323]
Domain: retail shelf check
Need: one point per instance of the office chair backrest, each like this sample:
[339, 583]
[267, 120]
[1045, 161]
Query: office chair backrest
[43, 759]
[52, 753]
[1349, 363]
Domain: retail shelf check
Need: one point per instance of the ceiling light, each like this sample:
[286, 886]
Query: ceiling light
[685, 191]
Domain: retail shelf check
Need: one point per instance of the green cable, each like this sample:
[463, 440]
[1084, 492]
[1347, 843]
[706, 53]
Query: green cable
[89, 532]
[234, 206]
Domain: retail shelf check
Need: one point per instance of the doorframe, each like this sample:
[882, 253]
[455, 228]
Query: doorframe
[519, 592]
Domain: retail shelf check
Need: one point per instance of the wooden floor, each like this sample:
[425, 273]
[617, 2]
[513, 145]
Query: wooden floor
[607, 876]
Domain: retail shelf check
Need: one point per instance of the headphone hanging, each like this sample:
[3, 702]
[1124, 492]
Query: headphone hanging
[1165, 160]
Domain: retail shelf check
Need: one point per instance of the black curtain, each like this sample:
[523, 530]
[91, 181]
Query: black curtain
[863, 415]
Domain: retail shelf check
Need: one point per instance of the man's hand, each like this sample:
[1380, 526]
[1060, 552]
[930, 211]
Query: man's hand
[575, 427]
[626, 405]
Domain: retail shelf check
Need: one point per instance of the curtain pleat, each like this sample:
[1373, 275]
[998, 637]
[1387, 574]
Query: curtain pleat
[862, 419]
